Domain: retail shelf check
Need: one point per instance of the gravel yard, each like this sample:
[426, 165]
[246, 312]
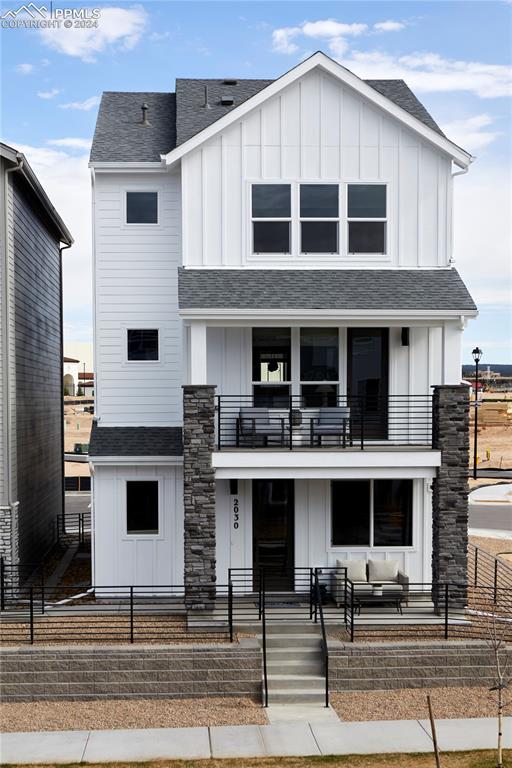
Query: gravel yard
[411, 704]
[141, 713]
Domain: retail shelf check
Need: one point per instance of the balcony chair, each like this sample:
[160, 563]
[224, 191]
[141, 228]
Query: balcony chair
[255, 424]
[333, 422]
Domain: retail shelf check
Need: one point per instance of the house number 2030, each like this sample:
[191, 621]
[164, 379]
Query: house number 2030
[236, 513]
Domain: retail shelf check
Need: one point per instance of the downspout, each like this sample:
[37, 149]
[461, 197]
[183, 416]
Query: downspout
[453, 175]
[61, 323]
[6, 340]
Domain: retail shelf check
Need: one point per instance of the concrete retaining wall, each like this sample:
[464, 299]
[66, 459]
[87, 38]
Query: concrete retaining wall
[363, 667]
[130, 672]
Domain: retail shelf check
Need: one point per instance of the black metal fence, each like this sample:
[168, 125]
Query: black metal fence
[295, 422]
[73, 525]
[486, 570]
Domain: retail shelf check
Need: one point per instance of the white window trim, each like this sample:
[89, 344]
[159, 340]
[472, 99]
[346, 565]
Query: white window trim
[131, 224]
[124, 507]
[385, 220]
[141, 326]
[341, 548]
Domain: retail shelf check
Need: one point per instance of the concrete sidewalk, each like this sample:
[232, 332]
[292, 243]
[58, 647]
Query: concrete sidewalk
[278, 739]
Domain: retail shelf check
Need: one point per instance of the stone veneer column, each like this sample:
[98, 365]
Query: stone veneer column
[450, 426]
[199, 495]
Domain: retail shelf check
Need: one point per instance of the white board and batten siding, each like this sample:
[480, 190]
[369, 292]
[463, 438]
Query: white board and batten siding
[316, 130]
[136, 287]
[312, 528]
[121, 559]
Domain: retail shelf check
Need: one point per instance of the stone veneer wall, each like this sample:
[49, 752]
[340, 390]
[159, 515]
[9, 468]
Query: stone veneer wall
[130, 672]
[9, 540]
[199, 495]
[450, 426]
[363, 667]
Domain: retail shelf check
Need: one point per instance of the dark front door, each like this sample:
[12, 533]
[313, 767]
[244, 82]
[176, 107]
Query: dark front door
[367, 369]
[272, 525]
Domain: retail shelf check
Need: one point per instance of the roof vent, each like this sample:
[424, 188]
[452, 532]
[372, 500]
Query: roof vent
[206, 104]
[227, 101]
[145, 109]
[229, 81]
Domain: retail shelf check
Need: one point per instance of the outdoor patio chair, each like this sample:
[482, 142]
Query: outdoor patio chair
[333, 422]
[255, 424]
[365, 576]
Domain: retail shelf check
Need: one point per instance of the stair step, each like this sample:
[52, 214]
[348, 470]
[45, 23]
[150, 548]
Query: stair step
[296, 682]
[299, 655]
[293, 641]
[280, 696]
[294, 667]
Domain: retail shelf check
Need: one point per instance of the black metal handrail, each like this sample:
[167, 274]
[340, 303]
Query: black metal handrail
[325, 650]
[264, 640]
[345, 421]
[486, 569]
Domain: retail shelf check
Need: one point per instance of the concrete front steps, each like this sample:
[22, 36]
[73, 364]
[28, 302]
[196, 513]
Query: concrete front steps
[295, 669]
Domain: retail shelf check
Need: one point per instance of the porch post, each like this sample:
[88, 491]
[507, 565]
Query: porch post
[450, 425]
[199, 495]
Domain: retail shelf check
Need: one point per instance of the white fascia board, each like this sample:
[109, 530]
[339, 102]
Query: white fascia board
[136, 460]
[300, 462]
[123, 166]
[359, 315]
[335, 473]
[319, 59]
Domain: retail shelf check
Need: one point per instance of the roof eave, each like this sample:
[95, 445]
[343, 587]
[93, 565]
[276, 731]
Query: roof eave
[459, 156]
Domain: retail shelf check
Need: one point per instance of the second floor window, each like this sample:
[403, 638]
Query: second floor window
[271, 218]
[142, 344]
[141, 208]
[366, 214]
[319, 212]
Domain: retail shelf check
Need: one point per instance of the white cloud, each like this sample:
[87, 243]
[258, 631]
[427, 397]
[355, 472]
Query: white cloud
[469, 133]
[48, 94]
[85, 106]
[24, 69]
[324, 29]
[66, 179]
[430, 72]
[389, 26]
[338, 46]
[329, 28]
[119, 28]
[71, 143]
[282, 39]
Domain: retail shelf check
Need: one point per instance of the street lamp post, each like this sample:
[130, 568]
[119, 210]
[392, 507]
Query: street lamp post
[477, 356]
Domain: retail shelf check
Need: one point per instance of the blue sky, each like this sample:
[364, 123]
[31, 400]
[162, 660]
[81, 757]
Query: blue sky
[455, 56]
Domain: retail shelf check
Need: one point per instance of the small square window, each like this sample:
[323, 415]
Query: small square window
[271, 237]
[143, 344]
[319, 201]
[141, 208]
[271, 201]
[319, 237]
[366, 201]
[142, 507]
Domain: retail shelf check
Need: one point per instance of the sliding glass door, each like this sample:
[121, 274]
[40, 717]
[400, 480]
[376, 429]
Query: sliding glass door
[368, 381]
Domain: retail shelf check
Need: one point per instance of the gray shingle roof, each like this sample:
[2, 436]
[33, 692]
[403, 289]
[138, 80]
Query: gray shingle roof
[119, 135]
[135, 441]
[380, 289]
[175, 118]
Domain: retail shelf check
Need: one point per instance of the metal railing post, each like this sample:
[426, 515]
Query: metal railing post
[476, 566]
[2, 584]
[230, 610]
[290, 417]
[131, 614]
[362, 426]
[31, 616]
[264, 646]
[345, 600]
[495, 590]
[260, 594]
[218, 423]
[42, 589]
[310, 594]
[446, 588]
[351, 613]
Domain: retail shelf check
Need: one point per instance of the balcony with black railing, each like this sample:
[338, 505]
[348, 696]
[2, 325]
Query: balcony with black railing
[347, 422]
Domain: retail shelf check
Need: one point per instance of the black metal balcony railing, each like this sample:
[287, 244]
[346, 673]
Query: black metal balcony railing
[290, 422]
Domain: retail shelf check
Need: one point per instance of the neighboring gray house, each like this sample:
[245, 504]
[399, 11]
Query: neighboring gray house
[31, 424]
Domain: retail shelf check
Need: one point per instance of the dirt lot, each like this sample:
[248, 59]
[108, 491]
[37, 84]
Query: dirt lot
[77, 426]
[496, 439]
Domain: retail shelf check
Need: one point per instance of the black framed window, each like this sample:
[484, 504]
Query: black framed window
[350, 513]
[142, 344]
[367, 218]
[142, 507]
[271, 218]
[319, 363]
[392, 513]
[142, 208]
[319, 218]
[373, 513]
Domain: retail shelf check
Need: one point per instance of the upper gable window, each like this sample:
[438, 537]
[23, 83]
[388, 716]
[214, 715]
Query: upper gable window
[271, 218]
[367, 218]
[142, 208]
[319, 218]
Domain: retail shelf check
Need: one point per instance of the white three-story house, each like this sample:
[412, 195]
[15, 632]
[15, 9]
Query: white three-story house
[278, 329]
